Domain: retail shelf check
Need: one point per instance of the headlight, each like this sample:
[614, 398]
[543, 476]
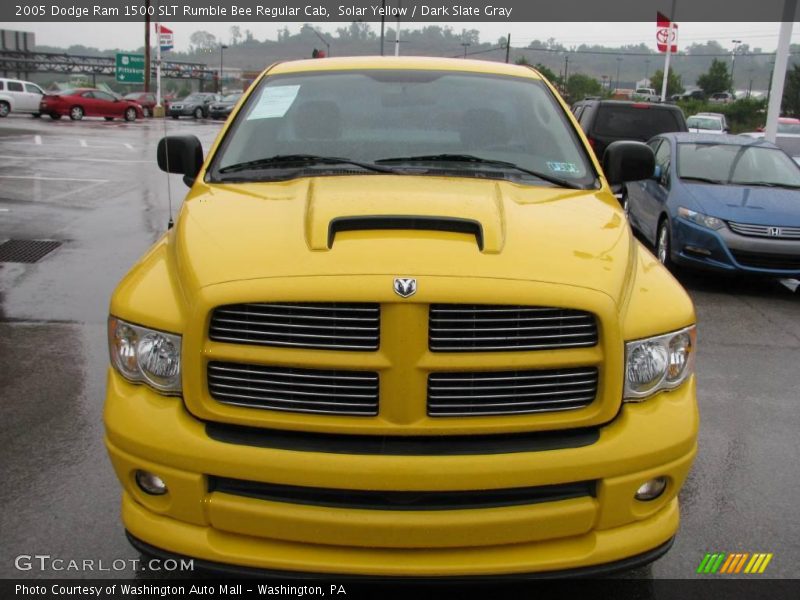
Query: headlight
[701, 219]
[658, 363]
[145, 355]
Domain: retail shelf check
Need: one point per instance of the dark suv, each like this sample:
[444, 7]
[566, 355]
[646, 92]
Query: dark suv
[606, 121]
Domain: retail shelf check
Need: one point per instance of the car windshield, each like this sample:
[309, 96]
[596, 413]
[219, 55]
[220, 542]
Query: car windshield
[788, 127]
[410, 119]
[704, 123]
[194, 98]
[735, 164]
[231, 97]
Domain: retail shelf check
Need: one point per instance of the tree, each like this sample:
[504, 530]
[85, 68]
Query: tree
[717, 79]
[791, 92]
[203, 40]
[674, 84]
[579, 86]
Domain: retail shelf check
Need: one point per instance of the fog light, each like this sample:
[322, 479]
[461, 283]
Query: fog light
[650, 490]
[151, 483]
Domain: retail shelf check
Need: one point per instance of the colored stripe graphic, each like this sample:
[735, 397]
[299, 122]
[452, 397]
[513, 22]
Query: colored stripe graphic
[735, 562]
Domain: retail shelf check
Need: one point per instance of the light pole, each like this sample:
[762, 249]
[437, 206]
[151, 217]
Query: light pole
[222, 48]
[619, 60]
[647, 70]
[733, 64]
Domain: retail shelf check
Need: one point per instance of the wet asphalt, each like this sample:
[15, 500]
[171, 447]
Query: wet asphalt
[95, 187]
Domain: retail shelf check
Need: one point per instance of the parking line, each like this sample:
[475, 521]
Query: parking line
[37, 178]
[37, 139]
[71, 159]
[5, 210]
[83, 143]
[128, 146]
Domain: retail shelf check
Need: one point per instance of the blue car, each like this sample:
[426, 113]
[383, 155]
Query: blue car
[720, 202]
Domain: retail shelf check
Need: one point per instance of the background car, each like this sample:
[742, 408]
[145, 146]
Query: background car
[705, 124]
[223, 108]
[785, 125]
[606, 121]
[19, 96]
[720, 202]
[721, 98]
[87, 102]
[146, 100]
[194, 105]
[788, 142]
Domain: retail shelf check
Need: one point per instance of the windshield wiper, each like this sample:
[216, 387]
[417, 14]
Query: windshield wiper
[469, 158]
[767, 184]
[283, 160]
[703, 179]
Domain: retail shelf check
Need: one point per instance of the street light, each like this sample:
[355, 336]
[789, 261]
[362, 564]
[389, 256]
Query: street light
[324, 41]
[222, 48]
[733, 64]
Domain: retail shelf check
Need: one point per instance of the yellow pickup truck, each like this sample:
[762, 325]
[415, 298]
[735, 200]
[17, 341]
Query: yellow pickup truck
[401, 328]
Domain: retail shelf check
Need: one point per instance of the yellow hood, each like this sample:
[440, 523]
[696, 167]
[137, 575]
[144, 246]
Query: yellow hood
[236, 232]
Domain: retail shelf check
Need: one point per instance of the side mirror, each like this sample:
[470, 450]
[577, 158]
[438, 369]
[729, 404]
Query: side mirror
[181, 154]
[628, 161]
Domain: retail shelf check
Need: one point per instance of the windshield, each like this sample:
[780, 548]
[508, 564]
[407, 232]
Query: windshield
[134, 96]
[788, 127]
[704, 123]
[733, 164]
[415, 117]
[231, 97]
[194, 98]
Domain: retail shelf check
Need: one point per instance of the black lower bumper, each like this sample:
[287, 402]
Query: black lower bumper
[234, 571]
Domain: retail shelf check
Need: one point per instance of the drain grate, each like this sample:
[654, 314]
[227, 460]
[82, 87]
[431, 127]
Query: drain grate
[26, 251]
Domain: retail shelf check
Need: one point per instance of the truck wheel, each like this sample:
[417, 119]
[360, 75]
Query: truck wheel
[5, 108]
[664, 245]
[76, 113]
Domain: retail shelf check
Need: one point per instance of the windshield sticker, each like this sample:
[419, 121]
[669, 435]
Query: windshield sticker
[274, 102]
[563, 167]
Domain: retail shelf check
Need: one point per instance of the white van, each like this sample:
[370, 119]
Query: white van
[19, 96]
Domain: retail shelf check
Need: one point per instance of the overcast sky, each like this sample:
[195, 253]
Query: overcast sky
[130, 35]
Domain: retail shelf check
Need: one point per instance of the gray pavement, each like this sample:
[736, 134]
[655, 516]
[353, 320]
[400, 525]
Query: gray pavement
[95, 187]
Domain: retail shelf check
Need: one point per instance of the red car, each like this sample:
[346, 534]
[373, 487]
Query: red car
[147, 100]
[87, 102]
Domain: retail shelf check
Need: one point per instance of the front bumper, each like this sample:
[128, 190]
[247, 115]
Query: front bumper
[184, 111]
[152, 432]
[729, 252]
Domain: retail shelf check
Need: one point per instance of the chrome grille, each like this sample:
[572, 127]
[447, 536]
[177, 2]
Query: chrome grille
[294, 390]
[510, 392]
[487, 327]
[786, 233]
[331, 326]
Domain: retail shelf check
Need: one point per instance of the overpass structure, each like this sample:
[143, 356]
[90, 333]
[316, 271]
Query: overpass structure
[19, 64]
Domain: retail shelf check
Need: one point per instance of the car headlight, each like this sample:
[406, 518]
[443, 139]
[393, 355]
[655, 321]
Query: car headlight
[145, 355]
[701, 219]
[658, 363]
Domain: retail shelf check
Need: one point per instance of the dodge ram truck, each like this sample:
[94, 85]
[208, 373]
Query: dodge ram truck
[401, 328]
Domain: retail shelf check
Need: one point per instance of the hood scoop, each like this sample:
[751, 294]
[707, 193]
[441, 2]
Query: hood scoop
[476, 211]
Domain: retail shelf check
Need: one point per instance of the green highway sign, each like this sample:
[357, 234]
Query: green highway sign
[130, 68]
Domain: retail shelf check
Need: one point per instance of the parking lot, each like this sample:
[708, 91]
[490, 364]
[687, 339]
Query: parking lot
[94, 187]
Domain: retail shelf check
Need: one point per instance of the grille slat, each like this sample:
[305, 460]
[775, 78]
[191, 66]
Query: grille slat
[327, 326]
[479, 328]
[496, 394]
[759, 260]
[792, 233]
[294, 390]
